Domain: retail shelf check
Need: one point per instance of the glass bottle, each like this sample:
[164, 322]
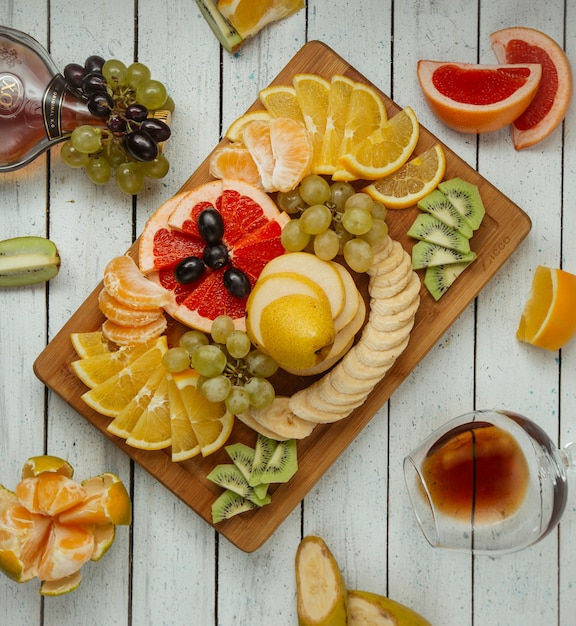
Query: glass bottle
[38, 108]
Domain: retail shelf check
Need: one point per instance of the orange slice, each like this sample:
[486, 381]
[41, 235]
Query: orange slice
[312, 92]
[478, 98]
[386, 149]
[236, 129]
[281, 101]
[89, 344]
[549, 316]
[248, 17]
[552, 99]
[341, 89]
[412, 182]
[125, 282]
[185, 444]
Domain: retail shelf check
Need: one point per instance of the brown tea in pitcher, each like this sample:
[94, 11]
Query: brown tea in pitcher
[477, 472]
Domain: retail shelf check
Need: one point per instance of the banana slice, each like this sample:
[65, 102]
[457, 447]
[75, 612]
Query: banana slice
[278, 419]
[246, 418]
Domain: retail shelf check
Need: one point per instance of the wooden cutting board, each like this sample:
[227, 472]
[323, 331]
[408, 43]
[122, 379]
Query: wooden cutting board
[504, 227]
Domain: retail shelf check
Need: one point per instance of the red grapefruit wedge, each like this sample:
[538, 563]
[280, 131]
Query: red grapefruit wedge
[478, 98]
[549, 107]
[252, 228]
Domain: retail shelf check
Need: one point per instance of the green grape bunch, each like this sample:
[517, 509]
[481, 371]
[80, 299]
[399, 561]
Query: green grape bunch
[333, 219]
[231, 369]
[128, 145]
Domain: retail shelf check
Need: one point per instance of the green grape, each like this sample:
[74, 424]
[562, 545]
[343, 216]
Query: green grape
[130, 178]
[221, 328]
[314, 189]
[237, 401]
[339, 193]
[360, 201]
[379, 211]
[115, 72]
[176, 359]
[216, 389]
[260, 392]
[316, 219]
[326, 245]
[358, 254]
[356, 221]
[72, 157]
[260, 364]
[209, 360]
[238, 344]
[158, 168]
[290, 201]
[191, 339]
[98, 170]
[377, 233]
[151, 93]
[86, 139]
[136, 73]
[343, 237]
[293, 238]
[114, 154]
[169, 104]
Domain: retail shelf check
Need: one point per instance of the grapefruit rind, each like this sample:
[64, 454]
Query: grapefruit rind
[478, 118]
[555, 69]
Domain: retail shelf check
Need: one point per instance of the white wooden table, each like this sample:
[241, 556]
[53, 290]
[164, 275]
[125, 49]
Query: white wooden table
[172, 568]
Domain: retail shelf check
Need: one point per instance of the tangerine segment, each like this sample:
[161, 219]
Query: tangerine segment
[125, 315]
[552, 99]
[281, 101]
[124, 281]
[292, 149]
[104, 535]
[549, 316]
[49, 493]
[478, 98]
[412, 182]
[235, 161]
[386, 149]
[106, 501]
[67, 548]
[133, 335]
[256, 138]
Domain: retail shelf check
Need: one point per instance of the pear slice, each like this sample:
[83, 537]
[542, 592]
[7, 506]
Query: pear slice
[370, 608]
[323, 273]
[351, 298]
[319, 585]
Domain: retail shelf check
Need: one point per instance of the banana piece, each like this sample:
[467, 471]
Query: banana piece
[371, 609]
[27, 261]
[320, 588]
[279, 421]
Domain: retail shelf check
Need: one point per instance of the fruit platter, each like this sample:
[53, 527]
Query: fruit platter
[503, 227]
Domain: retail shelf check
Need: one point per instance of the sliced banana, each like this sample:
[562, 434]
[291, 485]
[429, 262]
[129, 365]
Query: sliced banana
[278, 419]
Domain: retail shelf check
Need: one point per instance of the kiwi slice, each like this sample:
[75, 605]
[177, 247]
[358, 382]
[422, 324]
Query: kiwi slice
[283, 463]
[425, 254]
[229, 504]
[439, 278]
[438, 205]
[465, 197]
[242, 456]
[263, 452]
[228, 476]
[428, 228]
[27, 261]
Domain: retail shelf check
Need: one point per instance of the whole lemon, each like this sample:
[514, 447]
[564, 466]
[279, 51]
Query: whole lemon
[297, 330]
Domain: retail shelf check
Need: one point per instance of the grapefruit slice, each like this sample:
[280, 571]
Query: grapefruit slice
[252, 228]
[549, 106]
[473, 98]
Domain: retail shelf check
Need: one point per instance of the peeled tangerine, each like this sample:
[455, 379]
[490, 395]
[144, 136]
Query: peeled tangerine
[324, 601]
[51, 525]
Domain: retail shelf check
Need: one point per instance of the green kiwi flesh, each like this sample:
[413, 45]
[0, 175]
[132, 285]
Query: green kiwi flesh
[438, 205]
[465, 197]
[282, 465]
[229, 504]
[425, 254]
[27, 261]
[439, 278]
[428, 228]
[242, 456]
[262, 454]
